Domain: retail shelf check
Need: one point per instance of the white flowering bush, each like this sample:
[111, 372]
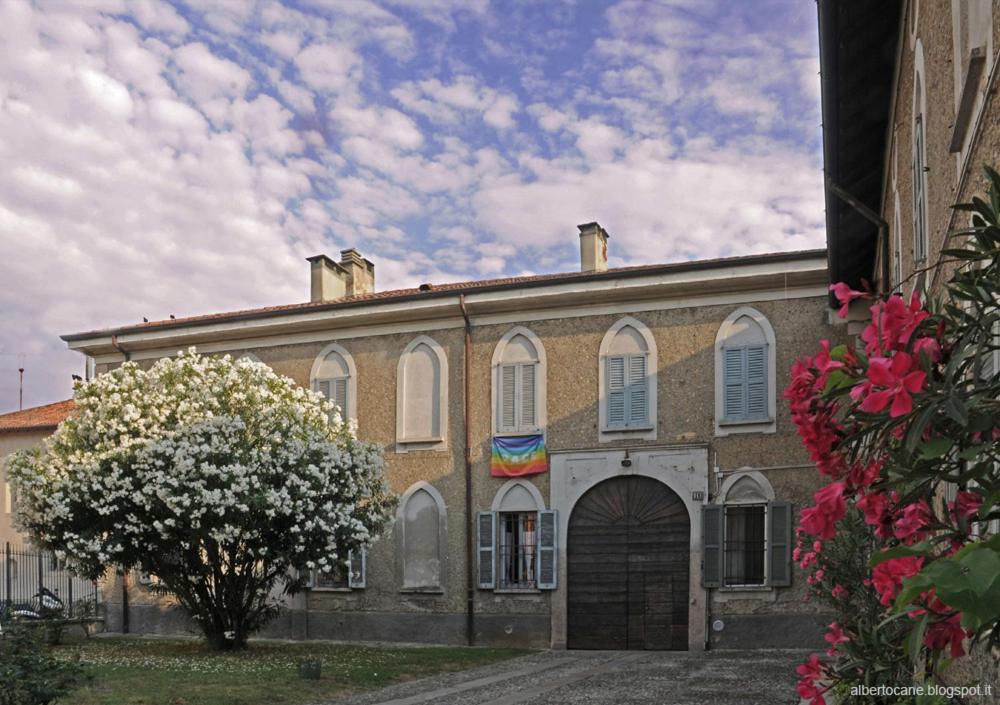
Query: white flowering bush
[221, 477]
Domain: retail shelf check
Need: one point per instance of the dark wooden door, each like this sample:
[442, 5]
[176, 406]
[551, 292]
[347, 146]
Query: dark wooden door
[628, 557]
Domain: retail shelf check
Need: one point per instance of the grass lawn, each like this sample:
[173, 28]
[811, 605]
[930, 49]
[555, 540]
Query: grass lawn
[175, 672]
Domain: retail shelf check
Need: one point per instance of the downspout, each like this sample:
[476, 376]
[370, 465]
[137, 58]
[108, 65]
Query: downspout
[470, 586]
[876, 220]
[124, 353]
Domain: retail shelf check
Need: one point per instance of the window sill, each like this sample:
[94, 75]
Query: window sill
[746, 422]
[517, 591]
[421, 591]
[746, 588]
[331, 589]
[516, 434]
[627, 429]
[429, 439]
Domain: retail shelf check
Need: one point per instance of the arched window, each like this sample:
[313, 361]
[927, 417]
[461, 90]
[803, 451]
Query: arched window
[517, 541]
[421, 396]
[919, 160]
[421, 538]
[627, 380]
[334, 376]
[744, 374]
[519, 388]
[746, 497]
[249, 357]
[897, 244]
[972, 62]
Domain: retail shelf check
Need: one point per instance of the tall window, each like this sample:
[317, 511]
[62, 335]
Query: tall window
[745, 545]
[745, 369]
[517, 550]
[517, 541]
[519, 384]
[421, 396]
[333, 375]
[421, 538]
[919, 193]
[628, 381]
[897, 246]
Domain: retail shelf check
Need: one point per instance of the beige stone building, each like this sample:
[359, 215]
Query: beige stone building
[20, 430]
[650, 398]
[910, 118]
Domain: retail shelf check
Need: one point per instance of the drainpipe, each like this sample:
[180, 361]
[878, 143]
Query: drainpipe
[114, 343]
[876, 220]
[470, 589]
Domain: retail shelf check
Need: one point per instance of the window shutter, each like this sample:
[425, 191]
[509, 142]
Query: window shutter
[711, 538]
[638, 405]
[616, 391]
[734, 382]
[919, 205]
[756, 376]
[339, 394]
[507, 397]
[357, 561]
[527, 389]
[486, 539]
[547, 548]
[780, 544]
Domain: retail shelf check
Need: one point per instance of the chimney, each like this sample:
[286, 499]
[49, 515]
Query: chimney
[593, 248]
[327, 279]
[360, 272]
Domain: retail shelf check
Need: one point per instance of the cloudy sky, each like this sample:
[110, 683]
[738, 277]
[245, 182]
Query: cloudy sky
[163, 158]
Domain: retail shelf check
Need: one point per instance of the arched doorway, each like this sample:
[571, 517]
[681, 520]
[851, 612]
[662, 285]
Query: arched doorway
[628, 557]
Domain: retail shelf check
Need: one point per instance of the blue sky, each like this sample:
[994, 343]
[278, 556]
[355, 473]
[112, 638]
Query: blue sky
[165, 158]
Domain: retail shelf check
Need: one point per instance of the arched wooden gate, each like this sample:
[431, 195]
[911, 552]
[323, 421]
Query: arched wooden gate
[628, 562]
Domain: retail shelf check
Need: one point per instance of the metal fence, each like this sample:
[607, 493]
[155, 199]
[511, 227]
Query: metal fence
[26, 571]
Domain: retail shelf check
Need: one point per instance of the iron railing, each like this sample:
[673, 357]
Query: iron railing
[27, 573]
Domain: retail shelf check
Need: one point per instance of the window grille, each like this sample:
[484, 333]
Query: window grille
[744, 545]
[518, 546]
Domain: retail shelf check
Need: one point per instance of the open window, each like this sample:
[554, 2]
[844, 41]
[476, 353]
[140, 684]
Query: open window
[747, 537]
[517, 541]
[345, 575]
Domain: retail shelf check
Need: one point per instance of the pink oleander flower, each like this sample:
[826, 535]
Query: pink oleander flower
[966, 505]
[888, 576]
[845, 295]
[835, 635]
[839, 592]
[821, 520]
[893, 324]
[910, 526]
[898, 381]
[947, 634]
[810, 672]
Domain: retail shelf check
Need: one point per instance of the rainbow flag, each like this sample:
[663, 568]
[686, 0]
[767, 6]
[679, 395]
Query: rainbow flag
[514, 456]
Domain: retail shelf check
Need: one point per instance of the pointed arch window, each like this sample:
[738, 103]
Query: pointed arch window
[519, 388]
[334, 376]
[745, 374]
[421, 538]
[627, 379]
[422, 396]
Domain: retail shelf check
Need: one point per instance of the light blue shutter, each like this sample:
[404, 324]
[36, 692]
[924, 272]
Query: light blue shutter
[711, 541]
[756, 377]
[547, 547]
[638, 394]
[616, 391]
[357, 566]
[485, 541]
[780, 544]
[734, 384]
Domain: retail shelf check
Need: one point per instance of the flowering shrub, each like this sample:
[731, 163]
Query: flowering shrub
[905, 427]
[220, 477]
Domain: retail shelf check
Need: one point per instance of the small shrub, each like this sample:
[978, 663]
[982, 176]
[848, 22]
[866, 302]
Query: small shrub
[30, 673]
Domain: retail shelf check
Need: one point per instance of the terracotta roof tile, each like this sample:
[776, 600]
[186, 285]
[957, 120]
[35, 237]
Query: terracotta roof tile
[453, 287]
[36, 418]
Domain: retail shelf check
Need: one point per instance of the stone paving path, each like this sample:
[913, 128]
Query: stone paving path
[608, 678]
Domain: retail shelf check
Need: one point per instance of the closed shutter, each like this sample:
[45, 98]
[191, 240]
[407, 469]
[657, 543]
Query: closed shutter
[734, 384]
[919, 202]
[756, 376]
[547, 548]
[780, 544]
[711, 537]
[485, 541]
[616, 391]
[338, 394]
[357, 561]
[527, 400]
[508, 398]
[638, 395]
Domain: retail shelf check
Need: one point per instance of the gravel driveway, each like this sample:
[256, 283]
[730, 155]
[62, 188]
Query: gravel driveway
[608, 678]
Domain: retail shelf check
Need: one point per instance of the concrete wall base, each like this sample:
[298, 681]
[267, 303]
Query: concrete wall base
[771, 631]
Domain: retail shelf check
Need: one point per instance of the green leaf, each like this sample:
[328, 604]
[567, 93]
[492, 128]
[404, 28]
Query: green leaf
[935, 448]
[918, 549]
[915, 639]
[956, 409]
[982, 568]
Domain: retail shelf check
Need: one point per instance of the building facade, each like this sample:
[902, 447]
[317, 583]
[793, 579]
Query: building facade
[658, 506]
